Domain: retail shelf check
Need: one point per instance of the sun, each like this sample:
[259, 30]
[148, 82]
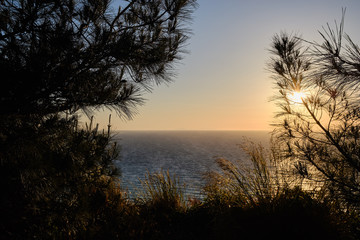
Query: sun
[296, 97]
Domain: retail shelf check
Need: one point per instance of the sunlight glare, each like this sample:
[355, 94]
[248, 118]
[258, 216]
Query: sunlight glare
[297, 97]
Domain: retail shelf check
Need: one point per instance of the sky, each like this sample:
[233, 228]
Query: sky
[222, 83]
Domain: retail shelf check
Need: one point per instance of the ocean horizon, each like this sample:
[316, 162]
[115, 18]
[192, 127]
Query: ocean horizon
[186, 154]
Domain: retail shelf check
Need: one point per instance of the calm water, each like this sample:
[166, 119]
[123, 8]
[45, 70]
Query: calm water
[187, 154]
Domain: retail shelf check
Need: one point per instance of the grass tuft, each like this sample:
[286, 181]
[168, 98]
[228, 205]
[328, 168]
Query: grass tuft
[161, 189]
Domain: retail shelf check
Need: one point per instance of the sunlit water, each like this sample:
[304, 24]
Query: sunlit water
[186, 154]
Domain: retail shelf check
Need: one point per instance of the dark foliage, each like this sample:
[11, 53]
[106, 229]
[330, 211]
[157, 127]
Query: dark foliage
[57, 57]
[56, 180]
[291, 215]
[70, 55]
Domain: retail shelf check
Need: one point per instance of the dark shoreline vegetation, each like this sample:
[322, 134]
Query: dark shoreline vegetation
[73, 191]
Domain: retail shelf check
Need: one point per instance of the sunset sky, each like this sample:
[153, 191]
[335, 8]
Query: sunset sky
[223, 84]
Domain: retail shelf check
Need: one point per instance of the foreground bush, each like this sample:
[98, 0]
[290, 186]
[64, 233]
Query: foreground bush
[291, 213]
[57, 181]
[294, 214]
[264, 199]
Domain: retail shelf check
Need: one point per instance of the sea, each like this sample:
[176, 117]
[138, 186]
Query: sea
[187, 155]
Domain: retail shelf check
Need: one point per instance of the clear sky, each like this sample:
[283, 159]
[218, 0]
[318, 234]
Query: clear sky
[222, 84]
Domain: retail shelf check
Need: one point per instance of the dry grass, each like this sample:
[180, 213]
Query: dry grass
[161, 188]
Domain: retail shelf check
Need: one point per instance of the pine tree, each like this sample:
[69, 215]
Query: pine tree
[57, 58]
[70, 55]
[318, 123]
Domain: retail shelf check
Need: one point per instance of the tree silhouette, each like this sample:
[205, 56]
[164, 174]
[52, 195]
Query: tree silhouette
[56, 58]
[320, 130]
[70, 55]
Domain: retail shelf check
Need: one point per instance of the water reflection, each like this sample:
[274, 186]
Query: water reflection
[187, 154]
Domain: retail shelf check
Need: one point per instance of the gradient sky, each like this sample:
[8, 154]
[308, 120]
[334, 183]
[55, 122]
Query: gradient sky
[222, 84]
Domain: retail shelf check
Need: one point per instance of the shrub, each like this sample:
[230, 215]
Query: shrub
[160, 190]
[264, 199]
[56, 179]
